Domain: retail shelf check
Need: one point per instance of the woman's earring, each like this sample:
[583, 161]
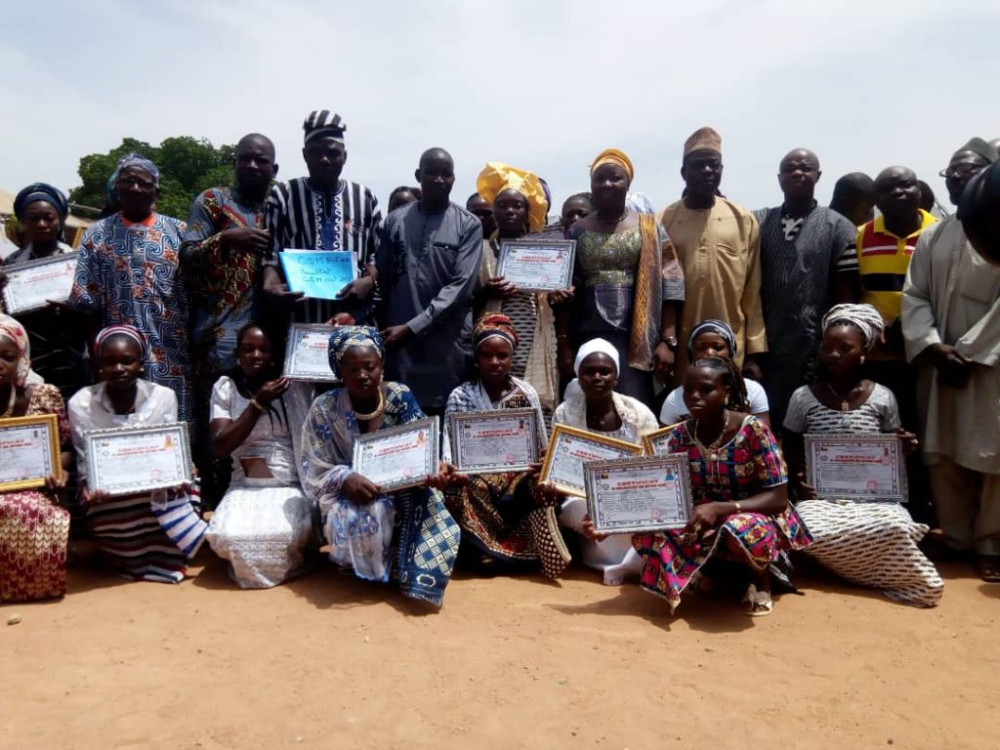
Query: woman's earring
[862, 359]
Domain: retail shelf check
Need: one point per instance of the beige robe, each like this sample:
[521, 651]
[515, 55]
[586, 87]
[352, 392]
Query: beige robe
[952, 296]
[719, 250]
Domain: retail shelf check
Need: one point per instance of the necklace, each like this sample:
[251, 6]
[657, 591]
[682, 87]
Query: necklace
[375, 414]
[844, 405]
[711, 451]
[10, 402]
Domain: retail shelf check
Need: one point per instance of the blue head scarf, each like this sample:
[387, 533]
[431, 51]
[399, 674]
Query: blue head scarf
[347, 337]
[135, 160]
[40, 191]
[718, 327]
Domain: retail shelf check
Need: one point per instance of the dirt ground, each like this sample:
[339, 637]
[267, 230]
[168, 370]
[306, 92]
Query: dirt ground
[330, 662]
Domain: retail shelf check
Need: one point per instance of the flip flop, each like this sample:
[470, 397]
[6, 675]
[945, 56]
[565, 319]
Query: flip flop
[988, 567]
[757, 603]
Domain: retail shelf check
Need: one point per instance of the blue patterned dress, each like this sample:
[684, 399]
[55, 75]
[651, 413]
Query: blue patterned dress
[128, 273]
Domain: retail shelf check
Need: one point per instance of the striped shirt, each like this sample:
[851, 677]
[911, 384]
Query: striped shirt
[302, 218]
[883, 259]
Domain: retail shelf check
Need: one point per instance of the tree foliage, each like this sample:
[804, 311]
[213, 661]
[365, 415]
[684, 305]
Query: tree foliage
[187, 166]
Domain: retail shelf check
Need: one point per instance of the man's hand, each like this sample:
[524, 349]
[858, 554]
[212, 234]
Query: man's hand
[396, 336]
[358, 290]
[499, 288]
[274, 286]
[246, 239]
[953, 369]
[663, 362]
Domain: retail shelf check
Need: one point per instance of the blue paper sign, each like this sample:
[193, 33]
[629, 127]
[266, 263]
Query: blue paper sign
[318, 273]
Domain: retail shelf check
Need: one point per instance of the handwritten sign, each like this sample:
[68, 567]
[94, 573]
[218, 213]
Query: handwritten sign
[321, 274]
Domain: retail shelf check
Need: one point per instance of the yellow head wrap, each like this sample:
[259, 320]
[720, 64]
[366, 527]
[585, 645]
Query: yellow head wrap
[497, 177]
[616, 157]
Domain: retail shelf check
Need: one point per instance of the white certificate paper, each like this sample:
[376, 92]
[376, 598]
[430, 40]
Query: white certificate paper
[29, 451]
[569, 449]
[32, 285]
[494, 441]
[862, 467]
[537, 265]
[138, 459]
[633, 495]
[307, 353]
[398, 457]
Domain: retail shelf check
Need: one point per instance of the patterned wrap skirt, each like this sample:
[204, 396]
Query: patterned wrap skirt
[34, 535]
[671, 558]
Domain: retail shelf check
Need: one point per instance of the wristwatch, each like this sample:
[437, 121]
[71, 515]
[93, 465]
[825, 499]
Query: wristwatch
[670, 341]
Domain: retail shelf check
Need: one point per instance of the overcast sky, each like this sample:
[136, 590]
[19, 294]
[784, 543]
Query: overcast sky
[540, 84]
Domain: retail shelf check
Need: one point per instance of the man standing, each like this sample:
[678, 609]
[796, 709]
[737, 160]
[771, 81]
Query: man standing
[324, 212]
[428, 267]
[965, 163]
[482, 209]
[951, 325]
[854, 198]
[808, 262]
[718, 244]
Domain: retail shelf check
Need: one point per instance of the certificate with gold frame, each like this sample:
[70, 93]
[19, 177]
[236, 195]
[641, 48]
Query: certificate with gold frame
[655, 443]
[29, 447]
[570, 449]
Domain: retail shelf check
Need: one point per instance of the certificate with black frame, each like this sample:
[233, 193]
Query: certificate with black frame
[537, 265]
[29, 451]
[307, 353]
[398, 457]
[570, 448]
[494, 442]
[633, 495]
[130, 460]
[859, 467]
[30, 286]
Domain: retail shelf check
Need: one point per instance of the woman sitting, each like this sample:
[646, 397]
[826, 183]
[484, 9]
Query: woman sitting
[34, 529]
[264, 522]
[869, 543]
[741, 510]
[713, 338]
[592, 404]
[127, 527]
[498, 512]
[358, 519]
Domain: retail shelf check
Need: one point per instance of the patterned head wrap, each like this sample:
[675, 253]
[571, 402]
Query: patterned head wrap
[136, 160]
[703, 139]
[595, 346]
[718, 327]
[497, 177]
[324, 124]
[128, 331]
[616, 157]
[863, 317]
[11, 329]
[41, 192]
[494, 325]
[347, 337]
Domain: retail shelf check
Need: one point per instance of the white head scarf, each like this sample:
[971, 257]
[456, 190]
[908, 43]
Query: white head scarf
[596, 346]
[864, 317]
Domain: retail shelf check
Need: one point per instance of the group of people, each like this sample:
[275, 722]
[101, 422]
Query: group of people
[742, 332]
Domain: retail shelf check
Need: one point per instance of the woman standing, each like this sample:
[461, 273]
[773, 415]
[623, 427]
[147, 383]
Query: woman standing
[127, 528]
[519, 208]
[741, 509]
[57, 339]
[629, 280]
[869, 543]
[264, 522]
[594, 405]
[129, 274]
[498, 512]
[358, 519]
[34, 529]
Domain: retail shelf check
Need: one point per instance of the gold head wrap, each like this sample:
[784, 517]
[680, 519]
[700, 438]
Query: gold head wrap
[497, 177]
[703, 139]
[616, 157]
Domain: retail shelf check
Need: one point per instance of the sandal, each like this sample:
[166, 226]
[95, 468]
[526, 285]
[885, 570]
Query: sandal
[988, 567]
[757, 603]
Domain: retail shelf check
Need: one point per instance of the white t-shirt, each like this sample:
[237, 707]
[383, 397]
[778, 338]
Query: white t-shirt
[675, 411]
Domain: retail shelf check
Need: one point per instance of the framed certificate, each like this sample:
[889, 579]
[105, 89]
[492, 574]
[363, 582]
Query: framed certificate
[31, 285]
[570, 448]
[307, 353]
[631, 495]
[321, 274]
[862, 467]
[537, 265]
[129, 460]
[655, 442]
[30, 450]
[494, 441]
[398, 457]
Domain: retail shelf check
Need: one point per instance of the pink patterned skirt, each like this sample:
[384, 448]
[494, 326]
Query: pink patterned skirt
[34, 535]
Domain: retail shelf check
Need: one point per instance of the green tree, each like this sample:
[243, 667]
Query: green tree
[187, 166]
